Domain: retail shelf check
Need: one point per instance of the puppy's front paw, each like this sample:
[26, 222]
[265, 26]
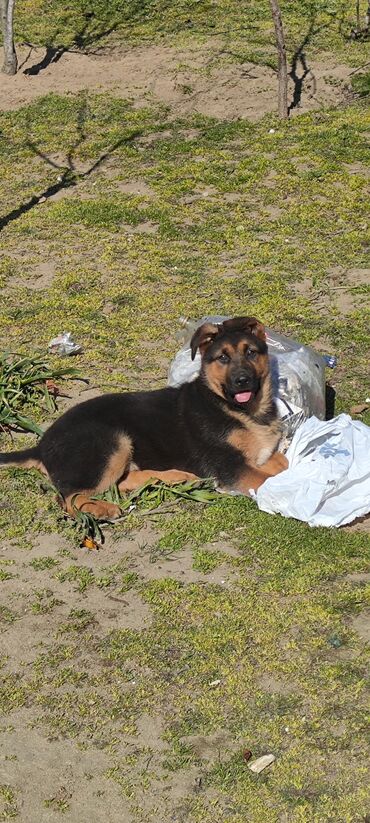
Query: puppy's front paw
[281, 461]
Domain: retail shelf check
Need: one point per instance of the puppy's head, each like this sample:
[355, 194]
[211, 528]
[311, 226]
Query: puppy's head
[234, 358]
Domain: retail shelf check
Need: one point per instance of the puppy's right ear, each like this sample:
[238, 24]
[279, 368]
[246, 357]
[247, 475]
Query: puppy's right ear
[203, 337]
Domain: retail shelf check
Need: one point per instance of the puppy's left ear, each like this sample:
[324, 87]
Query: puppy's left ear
[203, 337]
[257, 328]
[248, 324]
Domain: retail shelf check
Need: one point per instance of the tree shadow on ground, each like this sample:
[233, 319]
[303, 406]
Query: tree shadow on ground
[52, 55]
[299, 62]
[68, 173]
[90, 34]
[94, 28]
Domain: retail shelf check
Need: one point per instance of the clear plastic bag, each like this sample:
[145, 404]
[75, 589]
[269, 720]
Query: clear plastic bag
[298, 374]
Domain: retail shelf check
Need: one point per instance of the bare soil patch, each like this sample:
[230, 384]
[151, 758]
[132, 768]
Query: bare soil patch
[336, 292]
[55, 776]
[191, 80]
[49, 774]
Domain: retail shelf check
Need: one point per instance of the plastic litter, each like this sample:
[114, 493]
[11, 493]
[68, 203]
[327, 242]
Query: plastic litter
[335, 641]
[328, 479]
[330, 360]
[261, 763]
[64, 345]
[298, 374]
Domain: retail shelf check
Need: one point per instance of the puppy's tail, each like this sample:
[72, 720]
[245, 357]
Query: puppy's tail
[26, 459]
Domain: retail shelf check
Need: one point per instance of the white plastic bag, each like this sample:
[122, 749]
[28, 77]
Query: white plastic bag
[328, 480]
[298, 375]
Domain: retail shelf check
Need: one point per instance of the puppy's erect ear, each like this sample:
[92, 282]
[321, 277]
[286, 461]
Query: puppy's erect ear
[248, 324]
[257, 328]
[203, 337]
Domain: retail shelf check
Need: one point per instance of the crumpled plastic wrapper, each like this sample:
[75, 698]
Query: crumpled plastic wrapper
[64, 345]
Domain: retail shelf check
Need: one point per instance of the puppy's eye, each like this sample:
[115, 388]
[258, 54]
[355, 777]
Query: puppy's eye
[251, 354]
[223, 358]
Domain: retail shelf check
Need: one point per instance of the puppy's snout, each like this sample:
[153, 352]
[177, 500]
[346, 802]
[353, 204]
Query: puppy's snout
[242, 380]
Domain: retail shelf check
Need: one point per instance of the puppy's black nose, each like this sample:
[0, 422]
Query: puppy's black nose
[242, 380]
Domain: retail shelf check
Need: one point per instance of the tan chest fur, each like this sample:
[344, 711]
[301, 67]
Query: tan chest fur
[257, 443]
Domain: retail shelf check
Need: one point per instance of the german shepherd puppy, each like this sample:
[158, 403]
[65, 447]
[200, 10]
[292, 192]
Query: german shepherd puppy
[223, 425]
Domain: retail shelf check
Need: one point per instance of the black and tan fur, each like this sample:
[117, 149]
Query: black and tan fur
[197, 430]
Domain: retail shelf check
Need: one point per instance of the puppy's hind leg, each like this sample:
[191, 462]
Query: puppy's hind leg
[115, 468]
[83, 502]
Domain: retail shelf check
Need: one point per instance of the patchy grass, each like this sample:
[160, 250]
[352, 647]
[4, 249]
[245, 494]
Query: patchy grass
[42, 563]
[8, 808]
[361, 84]
[246, 31]
[254, 659]
[206, 561]
[233, 228]
[184, 218]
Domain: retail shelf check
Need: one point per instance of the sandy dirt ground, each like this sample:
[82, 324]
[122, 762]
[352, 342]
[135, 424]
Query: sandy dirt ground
[197, 80]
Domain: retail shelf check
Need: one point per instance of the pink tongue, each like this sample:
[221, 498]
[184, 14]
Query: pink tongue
[243, 396]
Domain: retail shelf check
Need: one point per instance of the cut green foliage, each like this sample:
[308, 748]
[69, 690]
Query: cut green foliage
[27, 383]
[153, 493]
[148, 498]
[88, 528]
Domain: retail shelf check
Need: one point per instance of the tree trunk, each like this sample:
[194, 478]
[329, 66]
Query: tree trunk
[358, 21]
[10, 64]
[367, 17]
[282, 62]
